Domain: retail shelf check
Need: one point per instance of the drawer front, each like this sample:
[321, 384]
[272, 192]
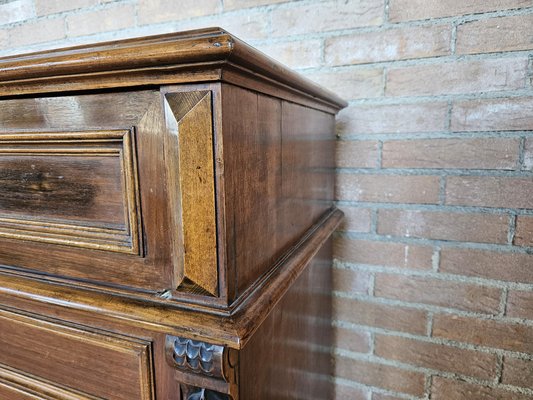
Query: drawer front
[110, 188]
[15, 385]
[98, 363]
[71, 188]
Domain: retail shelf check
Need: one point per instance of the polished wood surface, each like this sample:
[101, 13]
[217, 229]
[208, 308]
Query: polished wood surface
[167, 237]
[289, 355]
[95, 362]
[70, 188]
[197, 55]
[191, 142]
[279, 164]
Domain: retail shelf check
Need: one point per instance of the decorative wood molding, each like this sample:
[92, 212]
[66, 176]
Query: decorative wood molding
[84, 350]
[198, 55]
[13, 383]
[192, 188]
[196, 357]
[32, 186]
[195, 393]
[208, 371]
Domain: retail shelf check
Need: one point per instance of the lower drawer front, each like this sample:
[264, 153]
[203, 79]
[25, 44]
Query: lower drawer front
[100, 364]
[17, 386]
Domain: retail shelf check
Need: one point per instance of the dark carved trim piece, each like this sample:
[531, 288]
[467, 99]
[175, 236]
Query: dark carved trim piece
[206, 371]
[196, 357]
[196, 393]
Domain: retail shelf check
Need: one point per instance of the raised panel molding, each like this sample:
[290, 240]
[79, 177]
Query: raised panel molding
[17, 385]
[207, 371]
[94, 361]
[190, 171]
[49, 196]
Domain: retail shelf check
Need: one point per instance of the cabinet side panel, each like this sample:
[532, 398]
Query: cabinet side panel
[289, 355]
[252, 157]
[279, 161]
[308, 162]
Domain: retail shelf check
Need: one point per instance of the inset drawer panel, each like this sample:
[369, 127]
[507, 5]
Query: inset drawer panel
[71, 188]
[18, 386]
[99, 363]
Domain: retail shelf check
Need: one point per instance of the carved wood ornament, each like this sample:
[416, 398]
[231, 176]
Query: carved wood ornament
[209, 371]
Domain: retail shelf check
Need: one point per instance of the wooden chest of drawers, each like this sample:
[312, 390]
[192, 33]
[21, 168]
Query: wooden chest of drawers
[166, 208]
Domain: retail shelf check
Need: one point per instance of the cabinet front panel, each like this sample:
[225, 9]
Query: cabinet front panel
[15, 385]
[98, 363]
[85, 194]
[71, 188]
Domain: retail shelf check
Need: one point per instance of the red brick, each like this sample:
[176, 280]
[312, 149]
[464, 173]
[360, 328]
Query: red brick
[44, 30]
[520, 304]
[323, 17]
[512, 267]
[486, 191]
[397, 255]
[346, 280]
[381, 396]
[251, 26]
[110, 19]
[377, 315]
[447, 389]
[379, 375]
[495, 35]
[387, 45]
[352, 340]
[397, 118]
[517, 372]
[15, 11]
[409, 10]
[153, 11]
[356, 219]
[462, 227]
[353, 83]
[490, 153]
[420, 189]
[296, 54]
[524, 231]
[502, 114]
[488, 333]
[4, 37]
[343, 392]
[46, 7]
[457, 77]
[528, 155]
[235, 4]
[437, 356]
[357, 154]
[438, 292]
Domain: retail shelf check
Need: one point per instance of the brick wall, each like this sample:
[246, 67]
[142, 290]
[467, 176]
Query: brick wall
[434, 272]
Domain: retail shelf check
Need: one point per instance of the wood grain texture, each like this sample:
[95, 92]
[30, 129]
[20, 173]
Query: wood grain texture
[279, 178]
[288, 357]
[252, 155]
[233, 329]
[196, 54]
[70, 188]
[99, 363]
[15, 385]
[191, 140]
[92, 122]
[164, 242]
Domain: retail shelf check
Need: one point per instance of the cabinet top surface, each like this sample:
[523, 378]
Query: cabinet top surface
[190, 52]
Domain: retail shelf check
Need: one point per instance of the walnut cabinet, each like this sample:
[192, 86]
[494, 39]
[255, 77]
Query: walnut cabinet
[166, 208]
